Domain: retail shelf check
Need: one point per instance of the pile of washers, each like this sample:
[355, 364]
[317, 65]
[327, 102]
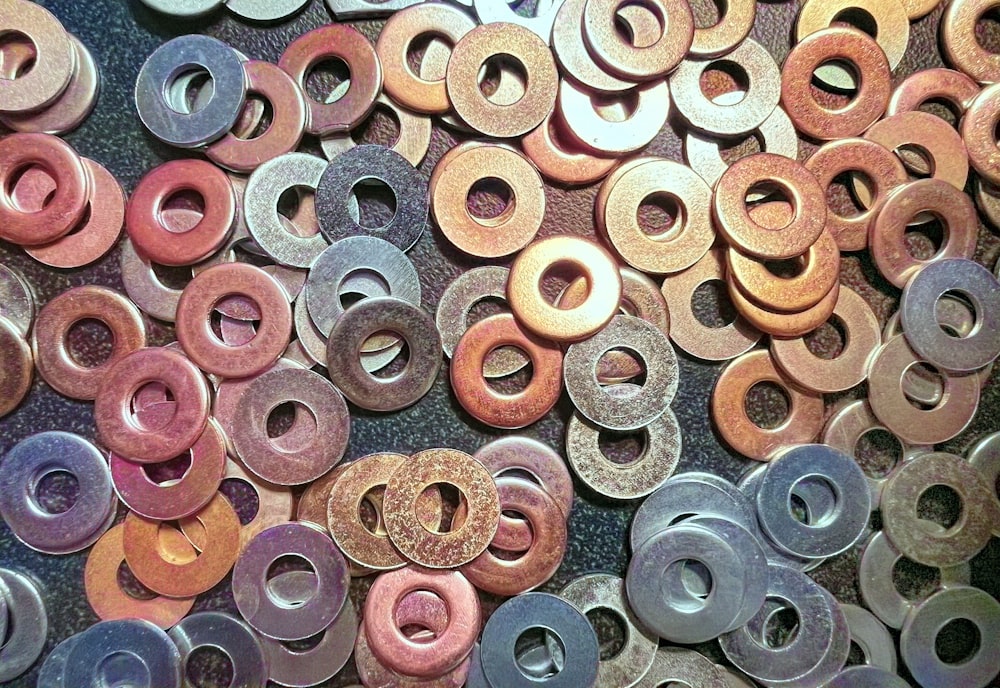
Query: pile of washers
[263, 307]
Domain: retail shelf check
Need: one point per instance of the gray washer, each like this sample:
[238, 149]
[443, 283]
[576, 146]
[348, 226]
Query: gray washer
[186, 9]
[871, 635]
[171, 60]
[29, 626]
[265, 10]
[229, 634]
[144, 657]
[372, 162]
[867, 676]
[53, 669]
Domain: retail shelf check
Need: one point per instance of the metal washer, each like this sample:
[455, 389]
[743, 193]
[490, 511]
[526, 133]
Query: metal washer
[29, 627]
[228, 634]
[147, 657]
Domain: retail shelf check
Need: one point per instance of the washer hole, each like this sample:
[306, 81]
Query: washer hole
[172, 277]
[285, 417]
[696, 580]
[629, 359]
[370, 510]
[940, 504]
[450, 499]
[284, 564]
[536, 642]
[856, 656]
[724, 76]
[614, 108]
[17, 54]
[917, 160]
[556, 278]
[32, 188]
[914, 581]
[736, 148]
[949, 302]
[831, 97]
[491, 201]
[243, 496]
[397, 366]
[769, 191]
[486, 307]
[856, 18]
[612, 633]
[417, 50]
[181, 211]
[297, 211]
[711, 305]
[516, 382]
[376, 203]
[635, 24]
[165, 473]
[190, 91]
[306, 644]
[767, 405]
[708, 13]
[877, 452]
[328, 80]
[928, 383]
[781, 626]
[818, 498]
[90, 342]
[943, 108]
[208, 666]
[829, 340]
[122, 670]
[416, 629]
[130, 585]
[988, 31]
[786, 269]
[622, 448]
[958, 641]
[503, 79]
[57, 491]
[660, 215]
[381, 127]
[841, 198]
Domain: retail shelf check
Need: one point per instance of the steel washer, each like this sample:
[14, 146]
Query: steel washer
[867, 676]
[146, 656]
[871, 635]
[539, 610]
[211, 122]
[39, 455]
[650, 401]
[748, 486]
[29, 625]
[828, 536]
[350, 255]
[361, 163]
[50, 674]
[228, 634]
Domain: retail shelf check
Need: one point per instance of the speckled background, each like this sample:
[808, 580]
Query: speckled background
[122, 33]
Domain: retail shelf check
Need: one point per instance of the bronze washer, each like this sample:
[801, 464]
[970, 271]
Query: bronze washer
[17, 369]
[978, 130]
[545, 147]
[577, 109]
[612, 51]
[785, 324]
[961, 46]
[938, 83]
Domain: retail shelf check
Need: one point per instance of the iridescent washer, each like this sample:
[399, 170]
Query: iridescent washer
[601, 591]
[917, 642]
[659, 457]
[40, 455]
[228, 634]
[538, 610]
[364, 163]
[142, 655]
[306, 461]
[215, 117]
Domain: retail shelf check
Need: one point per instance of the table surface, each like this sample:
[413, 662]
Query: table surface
[121, 34]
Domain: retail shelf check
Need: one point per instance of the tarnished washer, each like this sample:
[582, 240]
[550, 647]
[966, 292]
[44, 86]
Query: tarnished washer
[925, 622]
[572, 54]
[358, 255]
[372, 162]
[258, 605]
[978, 126]
[662, 449]
[722, 118]
[216, 116]
[23, 468]
[920, 322]
[826, 536]
[54, 58]
[559, 618]
[375, 674]
[228, 634]
[669, 618]
[584, 123]
[601, 591]
[17, 300]
[871, 635]
[915, 537]
[678, 665]
[18, 367]
[143, 656]
[926, 85]
[28, 626]
[648, 402]
[306, 461]
[384, 314]
[143, 286]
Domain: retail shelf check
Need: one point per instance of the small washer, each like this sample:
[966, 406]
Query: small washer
[372, 162]
[228, 634]
[219, 114]
[17, 299]
[21, 471]
[633, 411]
[919, 315]
[144, 656]
[871, 635]
[29, 628]
[558, 617]
[51, 673]
[265, 10]
[259, 606]
[867, 676]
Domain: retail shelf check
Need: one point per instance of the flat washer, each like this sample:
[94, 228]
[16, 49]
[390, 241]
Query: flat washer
[867, 676]
[219, 114]
[871, 635]
[145, 656]
[29, 630]
[265, 10]
[379, 163]
[230, 635]
[50, 674]
[558, 617]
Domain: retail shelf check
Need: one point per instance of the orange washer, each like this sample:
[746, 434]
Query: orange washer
[785, 324]
[728, 407]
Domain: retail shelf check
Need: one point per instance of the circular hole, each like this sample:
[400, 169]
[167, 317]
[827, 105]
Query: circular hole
[17, 55]
[781, 627]
[486, 307]
[768, 192]
[856, 656]
[168, 472]
[131, 586]
[497, 72]
[243, 496]
[707, 12]
[557, 278]
[877, 452]
[733, 149]
[928, 381]
[611, 631]
[283, 418]
[172, 277]
[818, 498]
[856, 18]
[988, 31]
[415, 56]
[182, 210]
[451, 498]
[798, 509]
[90, 342]
[490, 200]
[711, 305]
[397, 366]
[940, 504]
[622, 448]
[515, 383]
[832, 97]
[306, 644]
[31, 188]
[190, 90]
[56, 492]
[914, 581]
[539, 640]
[840, 196]
[376, 203]
[696, 580]
[381, 127]
[369, 510]
[945, 109]
[616, 358]
[958, 641]
[660, 214]
[614, 107]
[418, 626]
[786, 269]
[284, 564]
[208, 666]
[722, 77]
[767, 405]
[829, 340]
[950, 303]
[328, 80]
[122, 670]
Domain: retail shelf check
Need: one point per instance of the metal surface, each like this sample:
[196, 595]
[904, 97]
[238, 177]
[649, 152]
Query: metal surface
[229, 635]
[27, 627]
[123, 652]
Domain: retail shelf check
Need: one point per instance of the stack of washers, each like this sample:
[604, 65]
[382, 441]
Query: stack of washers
[263, 321]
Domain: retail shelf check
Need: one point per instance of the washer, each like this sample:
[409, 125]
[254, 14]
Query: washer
[51, 673]
[143, 657]
[29, 625]
[226, 633]
[871, 635]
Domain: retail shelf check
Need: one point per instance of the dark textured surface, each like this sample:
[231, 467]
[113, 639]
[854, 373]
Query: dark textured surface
[121, 34]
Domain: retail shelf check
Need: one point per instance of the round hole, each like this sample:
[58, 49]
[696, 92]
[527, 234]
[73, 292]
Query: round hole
[243, 496]
[281, 421]
[182, 211]
[988, 31]
[660, 214]
[123, 669]
[451, 498]
[397, 366]
[497, 71]
[57, 492]
[711, 305]
[946, 305]
[856, 656]
[415, 57]
[369, 510]
[926, 379]
[945, 109]
[306, 644]
[696, 580]
[781, 627]
[877, 452]
[90, 342]
[638, 25]
[328, 80]
[208, 666]
[856, 18]
[818, 498]
[724, 76]
[940, 504]
[167, 472]
[490, 200]
[376, 203]
[607, 358]
[284, 564]
[539, 640]
[786, 269]
[831, 97]
[958, 641]
[914, 581]
[555, 280]
[829, 340]
[190, 90]
[17, 55]
[840, 195]
[615, 107]
[611, 631]
[768, 192]
[916, 159]
[622, 448]
[515, 383]
[131, 586]
[767, 405]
